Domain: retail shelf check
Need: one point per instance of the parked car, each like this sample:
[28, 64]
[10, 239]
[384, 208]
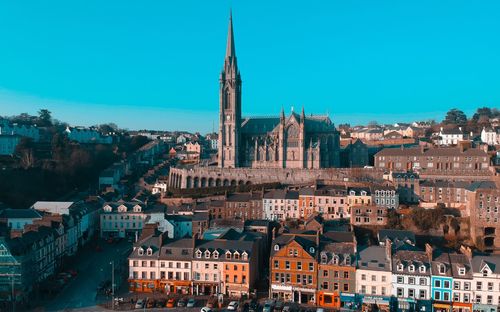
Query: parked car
[160, 303]
[232, 306]
[181, 303]
[170, 303]
[206, 309]
[191, 303]
[140, 303]
[150, 303]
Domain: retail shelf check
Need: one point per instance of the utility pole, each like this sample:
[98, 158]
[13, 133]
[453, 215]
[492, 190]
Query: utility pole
[112, 285]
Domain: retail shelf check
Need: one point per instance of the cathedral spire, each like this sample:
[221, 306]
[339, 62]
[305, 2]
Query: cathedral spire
[230, 51]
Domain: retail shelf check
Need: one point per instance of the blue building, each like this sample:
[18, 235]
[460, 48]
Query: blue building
[442, 283]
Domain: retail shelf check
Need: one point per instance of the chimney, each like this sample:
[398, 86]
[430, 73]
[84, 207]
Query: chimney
[466, 251]
[388, 249]
[274, 233]
[193, 241]
[428, 251]
[318, 235]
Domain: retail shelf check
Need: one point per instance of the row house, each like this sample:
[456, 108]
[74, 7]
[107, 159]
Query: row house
[280, 205]
[442, 283]
[193, 266]
[331, 202]
[294, 267]
[411, 280]
[243, 206]
[483, 203]
[490, 136]
[407, 185]
[336, 273]
[368, 215]
[122, 219]
[306, 202]
[13, 129]
[450, 193]
[385, 196]
[448, 161]
[486, 283]
[373, 280]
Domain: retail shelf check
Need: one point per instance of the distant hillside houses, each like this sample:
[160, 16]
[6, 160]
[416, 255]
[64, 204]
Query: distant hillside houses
[8, 128]
[87, 135]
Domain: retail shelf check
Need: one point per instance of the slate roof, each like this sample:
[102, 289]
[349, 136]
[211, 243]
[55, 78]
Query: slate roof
[373, 258]
[281, 194]
[434, 152]
[358, 190]
[181, 249]
[443, 259]
[306, 242]
[411, 257]
[474, 186]
[396, 235]
[492, 261]
[460, 261]
[10, 213]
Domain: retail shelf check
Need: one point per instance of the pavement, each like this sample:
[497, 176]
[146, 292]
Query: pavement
[93, 267]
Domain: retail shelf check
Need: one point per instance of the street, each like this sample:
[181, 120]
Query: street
[93, 267]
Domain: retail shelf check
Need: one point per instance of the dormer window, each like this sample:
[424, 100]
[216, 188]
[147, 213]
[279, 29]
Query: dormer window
[348, 260]
[485, 272]
[421, 269]
[411, 268]
[442, 269]
[228, 255]
[244, 256]
[352, 193]
[363, 193]
[149, 252]
[335, 259]
[207, 254]
[198, 254]
[140, 252]
[216, 254]
[400, 267]
[311, 250]
[461, 271]
[236, 256]
[276, 247]
[324, 258]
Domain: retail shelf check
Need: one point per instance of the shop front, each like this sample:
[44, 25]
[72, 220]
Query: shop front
[281, 292]
[349, 302]
[376, 304]
[462, 307]
[484, 308]
[205, 289]
[295, 294]
[142, 285]
[424, 306]
[442, 306]
[175, 287]
[406, 304]
[329, 299]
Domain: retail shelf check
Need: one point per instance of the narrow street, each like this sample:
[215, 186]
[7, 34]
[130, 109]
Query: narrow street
[93, 267]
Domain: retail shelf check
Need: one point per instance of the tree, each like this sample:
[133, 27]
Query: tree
[24, 150]
[373, 124]
[108, 127]
[44, 118]
[456, 117]
[484, 112]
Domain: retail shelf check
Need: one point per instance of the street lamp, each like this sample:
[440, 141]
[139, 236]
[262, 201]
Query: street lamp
[112, 285]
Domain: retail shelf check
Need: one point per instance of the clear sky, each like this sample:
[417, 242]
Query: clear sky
[155, 64]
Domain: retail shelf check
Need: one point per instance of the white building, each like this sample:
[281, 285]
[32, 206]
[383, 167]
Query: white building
[411, 280]
[121, 219]
[281, 205]
[374, 272]
[331, 202]
[16, 219]
[87, 135]
[6, 128]
[486, 284]
[450, 136]
[490, 136]
[160, 187]
[462, 278]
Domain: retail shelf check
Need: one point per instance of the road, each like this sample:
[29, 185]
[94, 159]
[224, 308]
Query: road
[93, 267]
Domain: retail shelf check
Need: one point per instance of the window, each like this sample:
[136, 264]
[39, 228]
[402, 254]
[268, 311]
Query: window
[400, 280]
[490, 286]
[456, 296]
[479, 285]
[446, 284]
[422, 281]
[437, 295]
[363, 277]
[456, 285]
[400, 292]
[287, 265]
[437, 283]
[446, 296]
[461, 271]
[346, 274]
[478, 298]
[411, 293]
[311, 266]
[422, 294]
[374, 278]
[299, 265]
[325, 285]
[276, 264]
[442, 269]
[411, 280]
[383, 278]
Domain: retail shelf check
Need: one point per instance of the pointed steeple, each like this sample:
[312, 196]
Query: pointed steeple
[302, 114]
[230, 51]
[282, 115]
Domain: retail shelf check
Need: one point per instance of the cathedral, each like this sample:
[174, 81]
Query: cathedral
[296, 141]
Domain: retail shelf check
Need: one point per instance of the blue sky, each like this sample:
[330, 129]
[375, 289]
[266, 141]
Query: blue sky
[155, 64]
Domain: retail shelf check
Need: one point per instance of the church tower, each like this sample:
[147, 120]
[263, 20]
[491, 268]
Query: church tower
[229, 106]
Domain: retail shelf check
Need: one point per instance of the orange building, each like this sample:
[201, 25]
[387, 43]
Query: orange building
[306, 202]
[294, 267]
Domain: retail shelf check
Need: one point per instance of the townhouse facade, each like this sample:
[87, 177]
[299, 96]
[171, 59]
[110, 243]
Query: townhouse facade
[122, 219]
[281, 205]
